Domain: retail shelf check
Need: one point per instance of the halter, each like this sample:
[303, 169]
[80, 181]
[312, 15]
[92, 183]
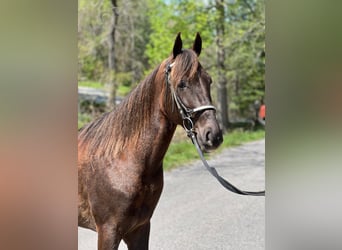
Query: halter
[186, 113]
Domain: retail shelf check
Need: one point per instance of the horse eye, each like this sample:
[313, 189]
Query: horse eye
[182, 85]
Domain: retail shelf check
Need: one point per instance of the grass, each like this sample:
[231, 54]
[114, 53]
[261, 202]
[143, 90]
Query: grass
[96, 85]
[238, 137]
[182, 152]
[179, 153]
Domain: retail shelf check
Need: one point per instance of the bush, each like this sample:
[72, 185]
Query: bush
[83, 119]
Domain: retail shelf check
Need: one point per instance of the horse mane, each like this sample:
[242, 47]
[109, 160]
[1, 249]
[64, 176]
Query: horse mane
[109, 134]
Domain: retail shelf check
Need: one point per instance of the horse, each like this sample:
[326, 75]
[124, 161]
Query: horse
[120, 154]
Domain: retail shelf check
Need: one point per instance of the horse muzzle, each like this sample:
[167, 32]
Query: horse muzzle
[209, 134]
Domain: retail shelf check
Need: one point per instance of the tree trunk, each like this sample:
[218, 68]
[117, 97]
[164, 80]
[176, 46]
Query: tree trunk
[111, 55]
[222, 80]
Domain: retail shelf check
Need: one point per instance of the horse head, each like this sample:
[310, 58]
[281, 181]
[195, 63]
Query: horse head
[188, 85]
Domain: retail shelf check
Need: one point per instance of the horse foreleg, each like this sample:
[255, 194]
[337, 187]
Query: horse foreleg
[108, 238]
[138, 239]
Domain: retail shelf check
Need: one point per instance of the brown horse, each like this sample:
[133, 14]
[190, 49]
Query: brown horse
[120, 155]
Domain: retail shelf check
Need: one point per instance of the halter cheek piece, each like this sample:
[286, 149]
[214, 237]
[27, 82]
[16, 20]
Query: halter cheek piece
[186, 113]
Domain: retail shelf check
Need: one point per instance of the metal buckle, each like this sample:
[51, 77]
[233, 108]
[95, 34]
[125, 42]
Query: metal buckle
[188, 125]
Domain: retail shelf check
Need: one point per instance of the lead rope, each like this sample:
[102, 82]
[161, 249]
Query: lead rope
[189, 128]
[213, 172]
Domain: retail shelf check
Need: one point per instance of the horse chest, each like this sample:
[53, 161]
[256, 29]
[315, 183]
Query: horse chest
[142, 204]
[145, 200]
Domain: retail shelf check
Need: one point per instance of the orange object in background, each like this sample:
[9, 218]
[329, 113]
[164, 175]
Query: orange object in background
[262, 111]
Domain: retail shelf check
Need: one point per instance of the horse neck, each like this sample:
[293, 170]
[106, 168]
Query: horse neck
[159, 141]
[156, 135]
[161, 127]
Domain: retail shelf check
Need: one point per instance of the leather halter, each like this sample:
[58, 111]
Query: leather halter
[186, 114]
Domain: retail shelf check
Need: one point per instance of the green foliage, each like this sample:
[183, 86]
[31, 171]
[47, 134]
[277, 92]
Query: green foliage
[131, 36]
[146, 31]
[160, 44]
[167, 19]
[83, 119]
[123, 90]
[93, 19]
[91, 84]
[124, 78]
[246, 53]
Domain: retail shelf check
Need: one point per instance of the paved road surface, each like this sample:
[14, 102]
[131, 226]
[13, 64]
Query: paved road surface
[195, 212]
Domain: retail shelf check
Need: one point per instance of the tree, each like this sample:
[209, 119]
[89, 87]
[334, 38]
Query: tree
[240, 57]
[221, 57]
[112, 40]
[111, 52]
[92, 47]
[141, 33]
[246, 55]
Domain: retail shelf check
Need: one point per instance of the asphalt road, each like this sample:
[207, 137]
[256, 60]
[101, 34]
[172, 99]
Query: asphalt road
[196, 212]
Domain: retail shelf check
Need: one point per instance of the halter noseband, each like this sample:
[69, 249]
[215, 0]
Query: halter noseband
[186, 113]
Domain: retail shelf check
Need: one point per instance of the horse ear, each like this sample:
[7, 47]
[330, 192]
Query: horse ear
[197, 46]
[177, 47]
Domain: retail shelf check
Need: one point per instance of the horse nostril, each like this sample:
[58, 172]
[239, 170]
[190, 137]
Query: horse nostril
[209, 137]
[213, 139]
[219, 139]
